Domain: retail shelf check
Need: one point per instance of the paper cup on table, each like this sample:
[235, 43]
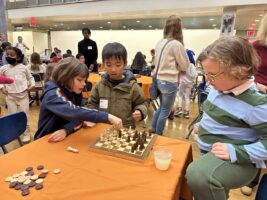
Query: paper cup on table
[162, 159]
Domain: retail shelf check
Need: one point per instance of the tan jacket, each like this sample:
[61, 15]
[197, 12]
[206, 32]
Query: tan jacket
[122, 100]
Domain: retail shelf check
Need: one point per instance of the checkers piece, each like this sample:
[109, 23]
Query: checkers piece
[39, 186]
[56, 171]
[29, 169]
[25, 192]
[40, 167]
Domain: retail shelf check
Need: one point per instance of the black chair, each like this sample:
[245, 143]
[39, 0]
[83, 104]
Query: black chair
[39, 78]
[12, 126]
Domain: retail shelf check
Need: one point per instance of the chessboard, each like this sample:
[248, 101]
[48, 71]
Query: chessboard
[127, 143]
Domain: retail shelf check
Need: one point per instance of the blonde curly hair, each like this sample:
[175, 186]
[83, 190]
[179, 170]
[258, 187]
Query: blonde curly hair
[236, 56]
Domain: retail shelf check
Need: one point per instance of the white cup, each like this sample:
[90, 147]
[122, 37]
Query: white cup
[162, 159]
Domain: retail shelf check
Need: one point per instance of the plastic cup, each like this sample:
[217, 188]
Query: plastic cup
[162, 159]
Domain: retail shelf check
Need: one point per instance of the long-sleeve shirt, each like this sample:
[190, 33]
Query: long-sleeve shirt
[22, 78]
[88, 48]
[239, 119]
[173, 60]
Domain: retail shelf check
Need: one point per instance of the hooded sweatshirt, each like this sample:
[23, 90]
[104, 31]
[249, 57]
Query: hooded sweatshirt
[61, 109]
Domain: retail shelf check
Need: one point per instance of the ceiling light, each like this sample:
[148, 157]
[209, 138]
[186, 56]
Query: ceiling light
[137, 21]
[214, 25]
[211, 19]
[109, 22]
[150, 26]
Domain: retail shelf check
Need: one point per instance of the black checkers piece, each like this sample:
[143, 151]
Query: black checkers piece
[32, 184]
[25, 192]
[40, 167]
[28, 169]
[42, 175]
[39, 186]
[13, 184]
[24, 187]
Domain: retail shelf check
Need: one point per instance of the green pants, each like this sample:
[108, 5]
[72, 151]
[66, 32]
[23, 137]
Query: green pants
[211, 178]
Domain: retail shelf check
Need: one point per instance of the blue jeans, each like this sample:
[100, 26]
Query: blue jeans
[167, 97]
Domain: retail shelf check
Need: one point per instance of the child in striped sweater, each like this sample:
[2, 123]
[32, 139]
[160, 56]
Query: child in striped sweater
[233, 131]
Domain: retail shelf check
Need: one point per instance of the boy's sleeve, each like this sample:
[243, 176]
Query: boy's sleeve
[62, 107]
[255, 152]
[139, 101]
[93, 101]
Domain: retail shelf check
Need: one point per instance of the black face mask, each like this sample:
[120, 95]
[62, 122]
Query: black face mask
[10, 60]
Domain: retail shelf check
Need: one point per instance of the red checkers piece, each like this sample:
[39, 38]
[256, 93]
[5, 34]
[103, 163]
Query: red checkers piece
[25, 192]
[40, 167]
[39, 186]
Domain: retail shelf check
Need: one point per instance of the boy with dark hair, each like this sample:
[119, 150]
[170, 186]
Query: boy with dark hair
[118, 93]
[88, 48]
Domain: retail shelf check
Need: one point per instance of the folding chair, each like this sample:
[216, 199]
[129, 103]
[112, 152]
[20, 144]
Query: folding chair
[201, 97]
[38, 78]
[12, 126]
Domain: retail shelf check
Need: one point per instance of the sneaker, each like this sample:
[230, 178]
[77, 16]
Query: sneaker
[171, 115]
[26, 138]
[246, 190]
[178, 112]
[186, 114]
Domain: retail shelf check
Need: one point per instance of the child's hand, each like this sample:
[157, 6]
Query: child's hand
[4, 91]
[117, 122]
[57, 136]
[137, 115]
[220, 151]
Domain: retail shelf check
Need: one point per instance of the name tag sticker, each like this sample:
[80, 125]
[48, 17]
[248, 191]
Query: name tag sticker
[103, 103]
[90, 47]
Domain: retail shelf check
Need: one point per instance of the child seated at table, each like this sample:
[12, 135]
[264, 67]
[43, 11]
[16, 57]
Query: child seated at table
[61, 112]
[233, 130]
[118, 92]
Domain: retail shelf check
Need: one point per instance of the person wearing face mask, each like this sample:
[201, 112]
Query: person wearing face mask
[17, 98]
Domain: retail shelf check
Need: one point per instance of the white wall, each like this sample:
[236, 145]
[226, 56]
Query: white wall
[133, 40]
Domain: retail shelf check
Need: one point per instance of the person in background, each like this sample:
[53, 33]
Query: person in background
[80, 57]
[173, 60]
[61, 112]
[88, 48]
[118, 92]
[232, 132]
[17, 98]
[23, 47]
[260, 45]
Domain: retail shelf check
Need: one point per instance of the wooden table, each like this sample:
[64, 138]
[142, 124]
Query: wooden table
[95, 176]
[146, 81]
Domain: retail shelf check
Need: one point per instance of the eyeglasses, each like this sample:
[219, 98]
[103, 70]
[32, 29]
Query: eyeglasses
[213, 77]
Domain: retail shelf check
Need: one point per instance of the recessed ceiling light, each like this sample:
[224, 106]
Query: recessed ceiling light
[150, 26]
[109, 22]
[124, 27]
[83, 23]
[211, 19]
[101, 27]
[257, 20]
[137, 21]
[214, 25]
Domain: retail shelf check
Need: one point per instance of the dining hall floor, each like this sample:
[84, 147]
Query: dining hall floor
[176, 129]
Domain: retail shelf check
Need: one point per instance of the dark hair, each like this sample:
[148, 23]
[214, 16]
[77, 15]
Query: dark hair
[86, 29]
[114, 49]
[18, 52]
[4, 45]
[68, 68]
[35, 61]
[139, 62]
[48, 72]
[79, 55]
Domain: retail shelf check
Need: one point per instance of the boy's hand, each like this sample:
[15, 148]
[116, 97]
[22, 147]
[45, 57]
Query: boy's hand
[117, 122]
[57, 136]
[220, 151]
[137, 115]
